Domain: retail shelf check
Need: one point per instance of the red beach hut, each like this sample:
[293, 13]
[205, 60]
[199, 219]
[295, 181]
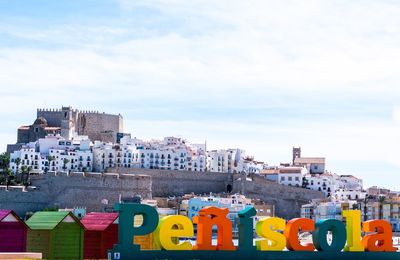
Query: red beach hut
[101, 233]
[12, 232]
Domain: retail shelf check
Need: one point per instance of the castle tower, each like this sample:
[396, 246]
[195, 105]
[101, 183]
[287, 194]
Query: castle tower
[296, 153]
[67, 124]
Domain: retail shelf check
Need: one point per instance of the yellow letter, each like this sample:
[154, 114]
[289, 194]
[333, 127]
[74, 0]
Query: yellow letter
[353, 231]
[170, 229]
[273, 241]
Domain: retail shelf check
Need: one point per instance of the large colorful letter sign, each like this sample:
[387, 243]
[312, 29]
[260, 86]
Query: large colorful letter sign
[271, 239]
[174, 227]
[353, 226]
[126, 229]
[291, 233]
[208, 217]
[320, 234]
[246, 228]
[382, 240]
[275, 235]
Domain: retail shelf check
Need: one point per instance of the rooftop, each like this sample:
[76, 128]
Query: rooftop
[316, 160]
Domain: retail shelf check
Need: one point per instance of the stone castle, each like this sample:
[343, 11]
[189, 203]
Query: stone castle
[67, 122]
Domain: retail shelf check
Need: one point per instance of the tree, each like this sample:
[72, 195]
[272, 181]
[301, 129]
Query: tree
[21, 176]
[381, 200]
[65, 162]
[4, 166]
[4, 161]
[17, 162]
[365, 202]
[49, 159]
[26, 172]
[7, 173]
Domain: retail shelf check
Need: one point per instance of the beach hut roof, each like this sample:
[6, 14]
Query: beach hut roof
[98, 221]
[4, 213]
[48, 220]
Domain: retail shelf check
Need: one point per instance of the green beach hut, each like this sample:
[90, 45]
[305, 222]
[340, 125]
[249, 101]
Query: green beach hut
[57, 234]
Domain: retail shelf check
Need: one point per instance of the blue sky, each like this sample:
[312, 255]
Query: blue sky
[259, 75]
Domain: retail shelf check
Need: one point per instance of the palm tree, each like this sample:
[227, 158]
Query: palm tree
[21, 176]
[65, 161]
[4, 161]
[4, 165]
[28, 176]
[49, 159]
[381, 200]
[17, 162]
[8, 173]
[365, 202]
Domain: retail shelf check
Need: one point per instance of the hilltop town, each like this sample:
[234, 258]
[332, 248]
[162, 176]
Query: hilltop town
[84, 161]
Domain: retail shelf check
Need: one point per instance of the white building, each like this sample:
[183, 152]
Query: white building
[54, 153]
[314, 165]
[326, 182]
[28, 157]
[285, 175]
[326, 209]
[170, 154]
[350, 182]
[229, 161]
[343, 194]
[335, 186]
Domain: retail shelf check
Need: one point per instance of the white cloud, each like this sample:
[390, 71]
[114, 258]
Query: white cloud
[396, 114]
[219, 54]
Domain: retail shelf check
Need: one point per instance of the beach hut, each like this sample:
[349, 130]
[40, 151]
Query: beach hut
[101, 234]
[12, 232]
[56, 234]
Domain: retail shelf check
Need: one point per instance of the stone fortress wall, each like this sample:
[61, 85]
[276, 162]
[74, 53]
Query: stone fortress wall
[287, 199]
[90, 190]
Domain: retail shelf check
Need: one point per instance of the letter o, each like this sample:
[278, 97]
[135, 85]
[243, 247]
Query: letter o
[319, 235]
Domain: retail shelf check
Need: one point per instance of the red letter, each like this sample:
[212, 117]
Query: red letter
[291, 232]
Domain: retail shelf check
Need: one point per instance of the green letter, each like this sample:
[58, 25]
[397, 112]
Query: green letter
[246, 229]
[319, 236]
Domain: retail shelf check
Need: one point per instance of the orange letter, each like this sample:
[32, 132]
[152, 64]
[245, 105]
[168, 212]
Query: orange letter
[208, 217]
[380, 242]
[291, 232]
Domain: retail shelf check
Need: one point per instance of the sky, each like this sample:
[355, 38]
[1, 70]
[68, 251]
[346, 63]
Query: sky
[263, 76]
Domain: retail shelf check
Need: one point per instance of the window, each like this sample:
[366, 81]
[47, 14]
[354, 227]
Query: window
[289, 178]
[297, 179]
[282, 178]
